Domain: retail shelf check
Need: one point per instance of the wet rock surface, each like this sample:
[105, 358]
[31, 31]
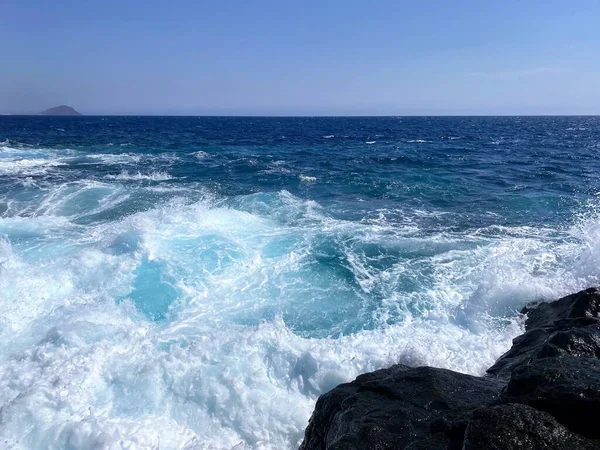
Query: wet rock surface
[515, 426]
[544, 393]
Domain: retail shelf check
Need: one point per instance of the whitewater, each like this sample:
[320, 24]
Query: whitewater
[197, 283]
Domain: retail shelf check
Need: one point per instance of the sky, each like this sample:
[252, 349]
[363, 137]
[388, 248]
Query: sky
[327, 57]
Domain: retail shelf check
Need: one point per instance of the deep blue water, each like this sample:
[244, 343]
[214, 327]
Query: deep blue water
[526, 170]
[171, 269]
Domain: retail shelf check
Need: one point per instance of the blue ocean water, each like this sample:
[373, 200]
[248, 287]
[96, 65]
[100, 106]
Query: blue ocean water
[197, 282]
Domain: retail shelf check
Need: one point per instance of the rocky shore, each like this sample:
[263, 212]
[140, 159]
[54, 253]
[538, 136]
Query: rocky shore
[544, 393]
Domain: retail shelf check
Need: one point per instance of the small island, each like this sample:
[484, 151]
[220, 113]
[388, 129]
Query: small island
[62, 110]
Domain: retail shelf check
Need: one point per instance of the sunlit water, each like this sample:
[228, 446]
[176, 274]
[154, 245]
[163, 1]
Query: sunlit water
[198, 282]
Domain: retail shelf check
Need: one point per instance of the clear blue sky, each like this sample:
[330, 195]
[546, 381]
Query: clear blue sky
[337, 57]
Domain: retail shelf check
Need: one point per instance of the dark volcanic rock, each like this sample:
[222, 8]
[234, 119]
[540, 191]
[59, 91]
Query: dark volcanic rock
[576, 337]
[583, 304]
[516, 427]
[62, 110]
[582, 341]
[569, 326]
[544, 393]
[326, 410]
[398, 408]
[521, 352]
[566, 387]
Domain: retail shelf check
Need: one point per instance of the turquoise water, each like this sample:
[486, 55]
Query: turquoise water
[196, 282]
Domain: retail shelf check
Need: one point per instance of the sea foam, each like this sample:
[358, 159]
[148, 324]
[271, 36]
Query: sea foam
[206, 326]
[138, 176]
[210, 310]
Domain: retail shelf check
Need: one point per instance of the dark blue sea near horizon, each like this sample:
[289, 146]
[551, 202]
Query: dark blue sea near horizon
[197, 282]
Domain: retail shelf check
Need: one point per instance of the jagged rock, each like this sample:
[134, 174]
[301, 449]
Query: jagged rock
[582, 304]
[570, 325]
[326, 410]
[550, 395]
[566, 387]
[521, 352]
[582, 341]
[577, 337]
[516, 427]
[398, 408]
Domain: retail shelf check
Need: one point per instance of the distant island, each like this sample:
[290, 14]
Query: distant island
[62, 110]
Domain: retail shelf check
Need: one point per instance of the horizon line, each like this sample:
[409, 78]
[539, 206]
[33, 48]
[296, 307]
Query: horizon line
[298, 115]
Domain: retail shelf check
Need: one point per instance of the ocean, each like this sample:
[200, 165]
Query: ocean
[197, 282]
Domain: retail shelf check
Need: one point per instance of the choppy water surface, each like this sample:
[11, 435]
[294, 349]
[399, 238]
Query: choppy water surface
[185, 282]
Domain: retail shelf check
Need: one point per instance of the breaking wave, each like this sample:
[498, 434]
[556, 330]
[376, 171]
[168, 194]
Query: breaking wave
[218, 323]
[156, 296]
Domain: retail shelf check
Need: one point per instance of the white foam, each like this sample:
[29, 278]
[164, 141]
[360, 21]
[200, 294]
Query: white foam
[200, 155]
[82, 366]
[120, 159]
[138, 176]
[117, 158]
[276, 167]
[307, 179]
[68, 200]
[27, 167]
